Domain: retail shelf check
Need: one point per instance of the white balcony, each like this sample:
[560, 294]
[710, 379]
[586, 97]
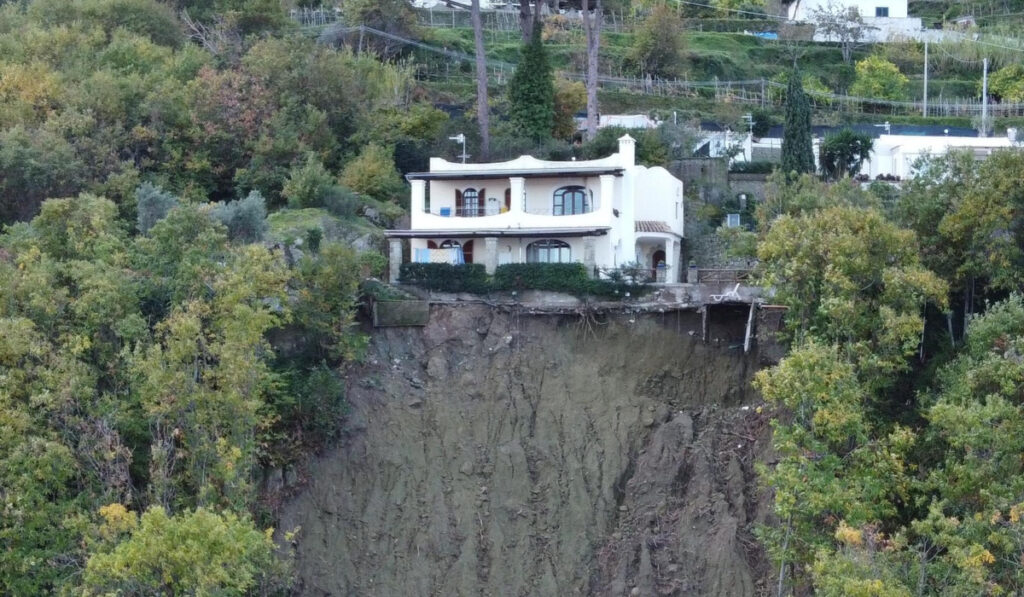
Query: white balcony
[515, 204]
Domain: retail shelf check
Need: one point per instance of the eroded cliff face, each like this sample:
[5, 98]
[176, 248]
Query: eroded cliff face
[492, 453]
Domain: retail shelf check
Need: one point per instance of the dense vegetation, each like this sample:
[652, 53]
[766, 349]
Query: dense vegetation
[176, 314]
[101, 95]
[155, 353]
[898, 430]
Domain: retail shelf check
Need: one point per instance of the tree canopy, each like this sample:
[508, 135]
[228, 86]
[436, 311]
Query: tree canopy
[531, 91]
[797, 150]
[843, 153]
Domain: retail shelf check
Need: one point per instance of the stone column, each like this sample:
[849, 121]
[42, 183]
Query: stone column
[517, 191]
[590, 254]
[395, 265]
[491, 254]
[417, 201]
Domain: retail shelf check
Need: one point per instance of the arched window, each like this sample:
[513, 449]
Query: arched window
[548, 250]
[450, 244]
[571, 200]
[469, 203]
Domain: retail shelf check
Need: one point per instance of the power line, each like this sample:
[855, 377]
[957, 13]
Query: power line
[952, 57]
[763, 15]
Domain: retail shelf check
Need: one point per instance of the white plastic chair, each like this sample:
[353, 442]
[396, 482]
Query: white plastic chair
[732, 295]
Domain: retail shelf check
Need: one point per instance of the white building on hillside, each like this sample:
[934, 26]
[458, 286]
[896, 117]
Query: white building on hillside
[803, 10]
[895, 155]
[603, 213]
[883, 19]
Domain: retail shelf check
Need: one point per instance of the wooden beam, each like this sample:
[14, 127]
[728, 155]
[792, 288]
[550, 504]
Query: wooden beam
[750, 328]
[704, 324]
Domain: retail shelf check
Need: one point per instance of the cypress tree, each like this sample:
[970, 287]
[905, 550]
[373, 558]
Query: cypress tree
[531, 91]
[797, 151]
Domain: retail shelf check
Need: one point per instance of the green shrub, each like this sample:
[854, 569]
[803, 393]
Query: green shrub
[558, 277]
[313, 238]
[152, 205]
[373, 173]
[342, 202]
[245, 219]
[384, 292]
[752, 167]
[307, 183]
[468, 277]
[571, 278]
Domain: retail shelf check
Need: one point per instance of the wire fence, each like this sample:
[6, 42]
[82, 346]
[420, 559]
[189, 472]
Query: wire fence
[315, 17]
[757, 92]
[508, 20]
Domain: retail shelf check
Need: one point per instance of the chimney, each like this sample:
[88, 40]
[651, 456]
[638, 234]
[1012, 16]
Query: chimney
[627, 151]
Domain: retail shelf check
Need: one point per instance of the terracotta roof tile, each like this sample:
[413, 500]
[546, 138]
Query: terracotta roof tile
[652, 226]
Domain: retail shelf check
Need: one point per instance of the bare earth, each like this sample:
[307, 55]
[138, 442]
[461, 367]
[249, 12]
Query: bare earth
[492, 453]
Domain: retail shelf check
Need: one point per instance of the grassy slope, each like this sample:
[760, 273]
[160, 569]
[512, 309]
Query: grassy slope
[726, 56]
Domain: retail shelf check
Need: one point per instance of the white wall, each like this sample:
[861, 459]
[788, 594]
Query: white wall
[659, 196]
[639, 193]
[802, 10]
[895, 155]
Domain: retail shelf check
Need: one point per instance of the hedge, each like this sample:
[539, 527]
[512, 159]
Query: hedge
[570, 278]
[558, 277]
[469, 277]
[752, 167]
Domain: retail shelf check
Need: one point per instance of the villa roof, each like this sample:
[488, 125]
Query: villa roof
[506, 232]
[484, 174]
[652, 226]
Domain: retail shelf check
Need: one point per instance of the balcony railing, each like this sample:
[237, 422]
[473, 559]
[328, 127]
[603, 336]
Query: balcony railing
[465, 212]
[477, 212]
[547, 211]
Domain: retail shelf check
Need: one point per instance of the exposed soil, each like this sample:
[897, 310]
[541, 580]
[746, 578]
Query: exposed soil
[496, 454]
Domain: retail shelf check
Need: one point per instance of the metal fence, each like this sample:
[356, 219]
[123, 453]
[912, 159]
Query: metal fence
[508, 20]
[760, 92]
[706, 276]
[315, 17]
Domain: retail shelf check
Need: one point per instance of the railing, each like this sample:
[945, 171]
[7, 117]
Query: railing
[465, 212]
[477, 212]
[548, 211]
[722, 275]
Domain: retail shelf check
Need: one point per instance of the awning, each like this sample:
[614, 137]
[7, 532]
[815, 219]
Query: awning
[500, 232]
[523, 173]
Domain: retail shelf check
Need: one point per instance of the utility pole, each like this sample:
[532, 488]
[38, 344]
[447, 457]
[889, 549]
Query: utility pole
[924, 107]
[984, 98]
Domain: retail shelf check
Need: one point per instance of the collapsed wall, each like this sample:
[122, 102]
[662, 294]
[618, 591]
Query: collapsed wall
[497, 453]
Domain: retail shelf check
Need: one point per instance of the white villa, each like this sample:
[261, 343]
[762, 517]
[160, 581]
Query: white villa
[603, 213]
[892, 155]
[895, 155]
[884, 19]
[803, 10]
